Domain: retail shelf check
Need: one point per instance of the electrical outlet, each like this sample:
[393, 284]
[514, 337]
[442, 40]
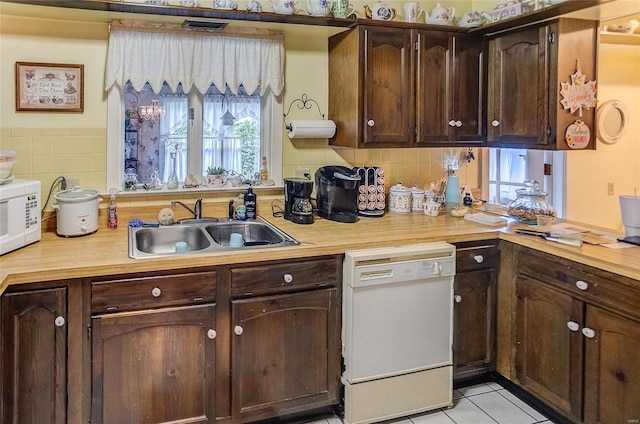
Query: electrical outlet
[610, 189]
[300, 173]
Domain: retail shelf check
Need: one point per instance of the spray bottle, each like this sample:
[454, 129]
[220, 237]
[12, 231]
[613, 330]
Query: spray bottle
[113, 211]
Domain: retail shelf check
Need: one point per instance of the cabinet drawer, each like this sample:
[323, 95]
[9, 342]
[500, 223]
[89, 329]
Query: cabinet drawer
[590, 284]
[475, 257]
[153, 292]
[281, 278]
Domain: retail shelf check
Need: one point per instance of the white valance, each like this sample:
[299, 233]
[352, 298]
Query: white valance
[143, 52]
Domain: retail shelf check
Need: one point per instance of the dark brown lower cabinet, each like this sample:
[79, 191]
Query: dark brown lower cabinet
[33, 344]
[474, 323]
[612, 368]
[154, 366]
[578, 339]
[474, 308]
[285, 354]
[548, 353]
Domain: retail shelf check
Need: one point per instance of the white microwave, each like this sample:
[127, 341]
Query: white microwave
[19, 214]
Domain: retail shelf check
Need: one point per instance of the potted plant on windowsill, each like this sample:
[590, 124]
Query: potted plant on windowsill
[215, 176]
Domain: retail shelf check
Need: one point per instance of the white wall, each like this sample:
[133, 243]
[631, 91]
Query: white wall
[589, 172]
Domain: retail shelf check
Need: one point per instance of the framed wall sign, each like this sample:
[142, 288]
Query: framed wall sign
[49, 87]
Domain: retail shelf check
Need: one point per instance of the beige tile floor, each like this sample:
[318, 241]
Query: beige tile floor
[486, 403]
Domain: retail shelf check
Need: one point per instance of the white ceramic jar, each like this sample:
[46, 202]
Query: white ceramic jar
[399, 199]
[77, 212]
[417, 199]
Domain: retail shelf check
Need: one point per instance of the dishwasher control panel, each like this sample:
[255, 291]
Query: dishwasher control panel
[402, 271]
[399, 264]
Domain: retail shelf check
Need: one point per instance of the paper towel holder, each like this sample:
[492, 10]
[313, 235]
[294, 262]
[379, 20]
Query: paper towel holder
[302, 103]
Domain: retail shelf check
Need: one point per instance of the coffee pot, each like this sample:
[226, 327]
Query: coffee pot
[297, 200]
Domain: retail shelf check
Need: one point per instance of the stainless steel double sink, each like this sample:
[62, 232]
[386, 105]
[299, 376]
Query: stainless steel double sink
[204, 236]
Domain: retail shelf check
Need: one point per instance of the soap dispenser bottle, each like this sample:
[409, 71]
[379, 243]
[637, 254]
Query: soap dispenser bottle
[250, 199]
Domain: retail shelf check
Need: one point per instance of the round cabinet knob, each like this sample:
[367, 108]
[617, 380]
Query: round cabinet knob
[288, 278]
[457, 298]
[458, 124]
[452, 123]
[238, 330]
[371, 122]
[436, 268]
[495, 123]
[582, 285]
[211, 333]
[588, 332]
[573, 326]
[59, 321]
[156, 292]
[478, 258]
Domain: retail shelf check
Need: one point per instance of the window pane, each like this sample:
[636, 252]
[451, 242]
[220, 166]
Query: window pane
[513, 165]
[231, 132]
[150, 138]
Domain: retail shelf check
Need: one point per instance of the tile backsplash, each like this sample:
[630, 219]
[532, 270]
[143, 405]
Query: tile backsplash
[79, 154]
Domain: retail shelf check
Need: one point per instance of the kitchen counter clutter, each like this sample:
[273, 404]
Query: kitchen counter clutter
[105, 252]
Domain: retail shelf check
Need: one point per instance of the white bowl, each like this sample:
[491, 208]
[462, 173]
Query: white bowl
[5, 168]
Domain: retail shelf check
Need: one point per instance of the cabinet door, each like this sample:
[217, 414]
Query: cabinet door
[34, 357]
[285, 354]
[548, 352]
[612, 375]
[473, 323]
[434, 89]
[154, 366]
[388, 98]
[469, 88]
[519, 89]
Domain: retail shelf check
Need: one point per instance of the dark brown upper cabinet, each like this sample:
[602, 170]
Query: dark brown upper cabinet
[398, 87]
[526, 69]
[450, 93]
[371, 87]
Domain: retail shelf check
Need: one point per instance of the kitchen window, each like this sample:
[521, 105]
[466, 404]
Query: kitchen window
[159, 136]
[506, 170]
[210, 100]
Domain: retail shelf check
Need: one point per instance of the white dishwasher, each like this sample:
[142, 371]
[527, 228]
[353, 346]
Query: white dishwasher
[397, 331]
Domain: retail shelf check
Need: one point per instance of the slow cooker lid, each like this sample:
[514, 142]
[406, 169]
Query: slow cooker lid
[77, 194]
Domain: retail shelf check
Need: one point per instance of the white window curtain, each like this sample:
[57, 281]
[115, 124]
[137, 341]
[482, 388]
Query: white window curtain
[221, 148]
[173, 120]
[142, 52]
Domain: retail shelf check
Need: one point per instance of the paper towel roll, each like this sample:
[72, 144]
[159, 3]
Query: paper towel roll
[311, 129]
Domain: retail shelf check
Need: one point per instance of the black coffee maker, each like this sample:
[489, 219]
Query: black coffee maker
[297, 200]
[337, 193]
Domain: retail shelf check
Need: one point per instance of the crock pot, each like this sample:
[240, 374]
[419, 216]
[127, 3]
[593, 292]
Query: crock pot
[77, 212]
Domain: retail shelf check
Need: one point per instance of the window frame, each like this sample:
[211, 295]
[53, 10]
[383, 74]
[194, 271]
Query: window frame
[271, 133]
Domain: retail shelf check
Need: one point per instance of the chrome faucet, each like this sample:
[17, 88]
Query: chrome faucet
[196, 211]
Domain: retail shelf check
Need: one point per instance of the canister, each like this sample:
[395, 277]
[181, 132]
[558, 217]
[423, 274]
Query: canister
[400, 199]
[417, 199]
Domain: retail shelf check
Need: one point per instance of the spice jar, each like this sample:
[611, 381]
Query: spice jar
[530, 203]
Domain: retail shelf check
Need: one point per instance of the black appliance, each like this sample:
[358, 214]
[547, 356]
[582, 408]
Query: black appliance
[337, 193]
[297, 200]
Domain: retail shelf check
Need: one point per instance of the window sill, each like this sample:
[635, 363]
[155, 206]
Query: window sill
[202, 189]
